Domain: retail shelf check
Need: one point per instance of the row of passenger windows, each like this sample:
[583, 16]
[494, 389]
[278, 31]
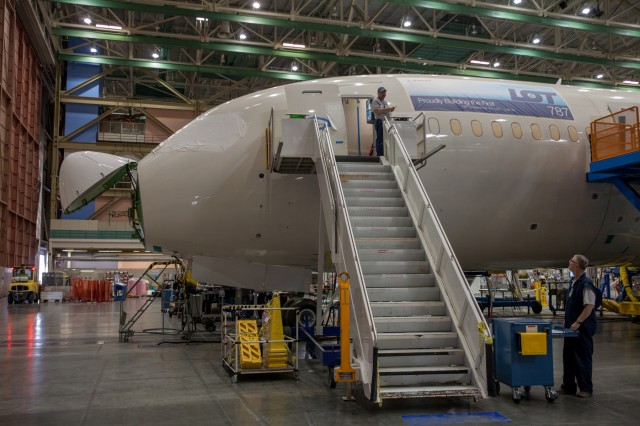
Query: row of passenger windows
[498, 131]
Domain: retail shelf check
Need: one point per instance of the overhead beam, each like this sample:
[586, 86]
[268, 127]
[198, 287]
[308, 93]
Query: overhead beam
[353, 58]
[110, 147]
[265, 18]
[121, 102]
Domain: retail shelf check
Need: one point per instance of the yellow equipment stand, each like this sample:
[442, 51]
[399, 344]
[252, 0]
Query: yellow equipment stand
[345, 373]
[247, 331]
[277, 350]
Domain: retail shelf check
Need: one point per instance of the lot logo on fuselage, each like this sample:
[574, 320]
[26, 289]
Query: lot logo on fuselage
[532, 96]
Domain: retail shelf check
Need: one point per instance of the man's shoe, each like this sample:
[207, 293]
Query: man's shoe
[583, 394]
[563, 391]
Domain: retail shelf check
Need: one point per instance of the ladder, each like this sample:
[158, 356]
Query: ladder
[415, 322]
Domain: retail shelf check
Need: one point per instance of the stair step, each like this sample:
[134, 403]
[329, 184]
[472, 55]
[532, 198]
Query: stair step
[381, 222]
[444, 369]
[448, 390]
[399, 280]
[418, 352]
[375, 202]
[406, 309]
[382, 254]
[371, 193]
[413, 324]
[420, 340]
[381, 184]
[404, 294]
[364, 167]
[388, 232]
[378, 211]
[365, 176]
[395, 267]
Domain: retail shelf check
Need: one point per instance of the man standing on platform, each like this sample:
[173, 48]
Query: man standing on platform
[381, 109]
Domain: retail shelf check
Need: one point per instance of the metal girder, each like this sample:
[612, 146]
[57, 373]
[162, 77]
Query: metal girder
[352, 58]
[109, 147]
[525, 15]
[230, 71]
[480, 9]
[122, 102]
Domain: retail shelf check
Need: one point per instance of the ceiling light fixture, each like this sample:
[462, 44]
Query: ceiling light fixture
[294, 67]
[256, 5]
[517, 1]
[243, 36]
[633, 82]
[536, 39]
[406, 22]
[201, 19]
[296, 45]
[479, 62]
[599, 76]
[496, 64]
[586, 10]
[93, 50]
[109, 27]
[87, 20]
[155, 55]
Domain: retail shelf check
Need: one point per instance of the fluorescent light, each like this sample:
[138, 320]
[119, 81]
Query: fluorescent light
[109, 27]
[200, 18]
[87, 20]
[517, 1]
[298, 46]
[477, 62]
[630, 82]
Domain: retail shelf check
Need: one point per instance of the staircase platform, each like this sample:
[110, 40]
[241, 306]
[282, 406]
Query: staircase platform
[404, 392]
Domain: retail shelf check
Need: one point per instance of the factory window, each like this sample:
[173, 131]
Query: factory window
[476, 127]
[434, 126]
[536, 132]
[456, 127]
[497, 129]
[517, 130]
[573, 133]
[555, 132]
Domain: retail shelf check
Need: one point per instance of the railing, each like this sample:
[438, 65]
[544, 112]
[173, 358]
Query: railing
[345, 257]
[615, 134]
[462, 306]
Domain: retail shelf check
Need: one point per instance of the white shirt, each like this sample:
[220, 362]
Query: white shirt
[378, 103]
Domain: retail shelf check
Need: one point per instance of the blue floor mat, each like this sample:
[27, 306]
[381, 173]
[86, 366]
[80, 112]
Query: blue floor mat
[455, 419]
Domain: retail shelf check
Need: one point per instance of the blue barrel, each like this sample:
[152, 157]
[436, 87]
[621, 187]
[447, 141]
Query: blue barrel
[166, 298]
[119, 292]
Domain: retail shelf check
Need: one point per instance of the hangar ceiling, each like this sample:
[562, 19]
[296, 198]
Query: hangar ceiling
[215, 50]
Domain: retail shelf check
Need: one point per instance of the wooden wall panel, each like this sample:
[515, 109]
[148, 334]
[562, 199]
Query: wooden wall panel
[20, 92]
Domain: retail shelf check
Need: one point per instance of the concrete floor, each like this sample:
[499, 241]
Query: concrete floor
[62, 364]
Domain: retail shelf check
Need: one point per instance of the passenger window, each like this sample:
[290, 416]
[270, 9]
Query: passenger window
[476, 127]
[536, 132]
[434, 126]
[456, 127]
[555, 132]
[497, 129]
[573, 133]
[517, 130]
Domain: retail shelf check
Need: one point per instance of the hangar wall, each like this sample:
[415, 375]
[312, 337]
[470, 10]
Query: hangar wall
[20, 96]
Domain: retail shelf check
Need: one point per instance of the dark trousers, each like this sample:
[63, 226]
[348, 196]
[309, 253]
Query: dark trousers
[577, 355]
[379, 138]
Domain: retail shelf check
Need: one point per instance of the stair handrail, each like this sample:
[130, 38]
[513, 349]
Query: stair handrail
[345, 256]
[466, 315]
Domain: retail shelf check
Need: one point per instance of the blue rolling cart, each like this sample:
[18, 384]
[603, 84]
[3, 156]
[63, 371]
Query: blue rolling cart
[524, 356]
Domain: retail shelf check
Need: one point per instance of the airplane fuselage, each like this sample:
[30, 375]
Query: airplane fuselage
[510, 187]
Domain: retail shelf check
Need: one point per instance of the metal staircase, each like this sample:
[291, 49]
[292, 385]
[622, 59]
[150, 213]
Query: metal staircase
[415, 325]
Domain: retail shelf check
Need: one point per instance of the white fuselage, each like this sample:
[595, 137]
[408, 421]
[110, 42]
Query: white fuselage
[504, 201]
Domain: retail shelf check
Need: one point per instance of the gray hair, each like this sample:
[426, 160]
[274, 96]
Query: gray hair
[582, 261]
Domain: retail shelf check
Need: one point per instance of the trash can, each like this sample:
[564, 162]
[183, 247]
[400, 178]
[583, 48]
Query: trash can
[119, 292]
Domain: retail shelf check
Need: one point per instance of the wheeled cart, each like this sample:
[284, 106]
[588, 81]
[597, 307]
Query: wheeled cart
[253, 341]
[524, 356]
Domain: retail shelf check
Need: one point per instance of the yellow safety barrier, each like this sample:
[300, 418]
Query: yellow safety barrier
[247, 332]
[277, 350]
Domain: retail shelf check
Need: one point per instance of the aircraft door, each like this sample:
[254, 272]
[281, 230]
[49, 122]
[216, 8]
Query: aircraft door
[359, 130]
[324, 101]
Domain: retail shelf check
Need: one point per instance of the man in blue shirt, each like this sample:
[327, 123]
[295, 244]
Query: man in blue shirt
[381, 109]
[579, 315]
